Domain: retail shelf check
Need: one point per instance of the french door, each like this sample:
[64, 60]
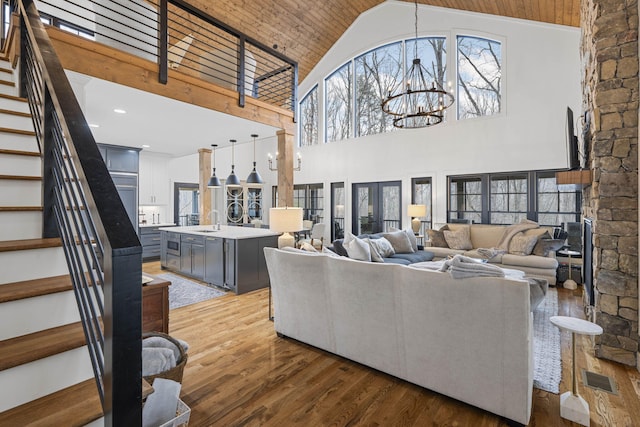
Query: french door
[376, 207]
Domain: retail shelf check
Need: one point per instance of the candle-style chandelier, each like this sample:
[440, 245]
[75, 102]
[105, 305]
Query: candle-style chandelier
[417, 104]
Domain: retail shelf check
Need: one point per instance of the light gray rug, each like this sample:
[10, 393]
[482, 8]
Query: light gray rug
[185, 292]
[547, 371]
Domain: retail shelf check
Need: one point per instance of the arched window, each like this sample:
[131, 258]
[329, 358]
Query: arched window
[309, 118]
[338, 104]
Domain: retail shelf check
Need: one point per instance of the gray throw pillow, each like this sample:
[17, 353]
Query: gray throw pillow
[411, 235]
[373, 250]
[383, 246]
[459, 239]
[400, 242]
[522, 244]
[436, 237]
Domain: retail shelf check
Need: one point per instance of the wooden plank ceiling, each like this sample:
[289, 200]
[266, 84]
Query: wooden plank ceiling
[304, 30]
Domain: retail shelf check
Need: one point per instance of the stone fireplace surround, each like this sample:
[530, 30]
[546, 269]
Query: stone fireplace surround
[609, 51]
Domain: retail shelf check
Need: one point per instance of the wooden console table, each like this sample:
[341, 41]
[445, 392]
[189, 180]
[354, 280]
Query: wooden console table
[155, 306]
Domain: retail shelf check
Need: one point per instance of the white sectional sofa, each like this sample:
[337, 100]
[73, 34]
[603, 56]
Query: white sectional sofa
[470, 339]
[488, 236]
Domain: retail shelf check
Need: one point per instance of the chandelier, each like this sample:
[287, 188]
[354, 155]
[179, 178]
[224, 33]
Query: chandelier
[417, 104]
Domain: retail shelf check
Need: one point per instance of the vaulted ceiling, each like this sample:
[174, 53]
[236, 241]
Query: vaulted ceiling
[304, 30]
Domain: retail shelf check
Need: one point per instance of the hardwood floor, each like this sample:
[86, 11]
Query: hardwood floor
[240, 373]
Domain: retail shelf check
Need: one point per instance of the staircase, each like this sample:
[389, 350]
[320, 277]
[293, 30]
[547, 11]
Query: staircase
[46, 378]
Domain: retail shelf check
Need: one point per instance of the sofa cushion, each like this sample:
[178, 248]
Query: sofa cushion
[383, 246]
[373, 250]
[444, 252]
[338, 247]
[529, 261]
[394, 260]
[410, 234]
[436, 237]
[547, 245]
[522, 243]
[400, 242]
[459, 239]
[482, 235]
[418, 256]
[356, 248]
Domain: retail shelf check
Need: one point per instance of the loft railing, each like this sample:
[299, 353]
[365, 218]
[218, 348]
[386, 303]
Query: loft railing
[81, 206]
[177, 36]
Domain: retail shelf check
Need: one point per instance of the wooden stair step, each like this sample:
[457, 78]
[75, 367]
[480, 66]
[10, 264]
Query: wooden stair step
[77, 405]
[7, 83]
[14, 113]
[26, 244]
[20, 208]
[38, 345]
[6, 70]
[18, 131]
[13, 98]
[21, 178]
[19, 152]
[35, 288]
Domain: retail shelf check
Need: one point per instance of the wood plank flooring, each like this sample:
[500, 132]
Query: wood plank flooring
[240, 373]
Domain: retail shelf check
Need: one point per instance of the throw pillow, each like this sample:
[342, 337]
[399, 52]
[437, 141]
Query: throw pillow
[400, 242]
[411, 235]
[329, 252]
[436, 237]
[356, 248]
[375, 255]
[338, 247]
[383, 246]
[545, 246]
[460, 239]
[522, 244]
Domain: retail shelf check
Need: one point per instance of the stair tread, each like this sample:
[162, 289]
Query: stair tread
[77, 405]
[19, 152]
[13, 98]
[33, 288]
[17, 131]
[6, 70]
[14, 113]
[25, 244]
[38, 345]
[6, 83]
[20, 208]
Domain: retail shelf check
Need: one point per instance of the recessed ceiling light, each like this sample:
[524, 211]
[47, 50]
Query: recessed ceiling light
[146, 146]
[119, 111]
[93, 125]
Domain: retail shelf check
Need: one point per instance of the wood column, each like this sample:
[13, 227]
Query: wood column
[285, 168]
[204, 201]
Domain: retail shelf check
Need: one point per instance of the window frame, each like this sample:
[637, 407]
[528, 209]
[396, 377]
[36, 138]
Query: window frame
[301, 119]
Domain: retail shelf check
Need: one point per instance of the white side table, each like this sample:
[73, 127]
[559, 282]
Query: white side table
[572, 406]
[569, 283]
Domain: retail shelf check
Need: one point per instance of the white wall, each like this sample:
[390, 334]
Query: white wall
[541, 78]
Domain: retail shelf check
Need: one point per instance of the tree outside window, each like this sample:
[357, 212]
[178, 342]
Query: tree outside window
[338, 104]
[309, 118]
[479, 77]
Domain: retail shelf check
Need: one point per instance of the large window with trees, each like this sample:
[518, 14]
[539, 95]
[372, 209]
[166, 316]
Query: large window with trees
[465, 198]
[508, 198]
[309, 118]
[556, 205]
[421, 195]
[479, 77]
[338, 104]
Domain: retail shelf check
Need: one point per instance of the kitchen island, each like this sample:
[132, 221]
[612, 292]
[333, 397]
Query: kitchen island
[230, 257]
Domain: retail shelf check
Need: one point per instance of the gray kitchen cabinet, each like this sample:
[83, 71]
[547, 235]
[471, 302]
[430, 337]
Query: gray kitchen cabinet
[214, 261]
[192, 256]
[120, 159]
[150, 240]
[230, 275]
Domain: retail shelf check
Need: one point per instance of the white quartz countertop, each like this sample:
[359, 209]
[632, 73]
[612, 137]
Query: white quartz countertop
[226, 232]
[163, 224]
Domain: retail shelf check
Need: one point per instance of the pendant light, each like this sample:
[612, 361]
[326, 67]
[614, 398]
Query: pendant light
[254, 176]
[232, 179]
[214, 181]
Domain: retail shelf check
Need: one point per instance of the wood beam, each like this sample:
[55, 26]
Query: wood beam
[285, 168]
[107, 63]
[204, 201]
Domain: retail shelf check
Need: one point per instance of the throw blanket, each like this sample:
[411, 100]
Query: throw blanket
[461, 267]
[156, 360]
[512, 230]
[491, 253]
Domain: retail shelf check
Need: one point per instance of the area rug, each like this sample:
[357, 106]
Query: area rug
[547, 371]
[186, 292]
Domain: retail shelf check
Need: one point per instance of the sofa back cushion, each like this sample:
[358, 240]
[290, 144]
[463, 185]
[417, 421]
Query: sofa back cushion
[482, 235]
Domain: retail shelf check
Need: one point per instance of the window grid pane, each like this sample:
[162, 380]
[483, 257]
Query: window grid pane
[309, 119]
[338, 108]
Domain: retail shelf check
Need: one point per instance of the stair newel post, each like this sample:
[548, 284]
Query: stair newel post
[49, 223]
[163, 45]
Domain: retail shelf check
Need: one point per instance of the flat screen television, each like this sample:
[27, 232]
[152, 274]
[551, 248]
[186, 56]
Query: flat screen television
[572, 143]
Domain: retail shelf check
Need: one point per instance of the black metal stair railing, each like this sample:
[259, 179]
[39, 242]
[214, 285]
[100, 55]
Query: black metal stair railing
[81, 206]
[176, 35]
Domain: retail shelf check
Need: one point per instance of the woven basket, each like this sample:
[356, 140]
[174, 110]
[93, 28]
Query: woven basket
[175, 373]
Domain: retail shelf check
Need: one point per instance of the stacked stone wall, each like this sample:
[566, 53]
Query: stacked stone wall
[610, 98]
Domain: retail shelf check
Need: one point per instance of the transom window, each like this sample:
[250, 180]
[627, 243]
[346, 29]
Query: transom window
[309, 118]
[338, 104]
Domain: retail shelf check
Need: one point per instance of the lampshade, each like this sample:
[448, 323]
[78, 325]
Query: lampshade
[214, 181]
[254, 177]
[285, 220]
[417, 210]
[232, 179]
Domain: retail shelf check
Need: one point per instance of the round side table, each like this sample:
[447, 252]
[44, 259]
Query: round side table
[569, 283]
[572, 406]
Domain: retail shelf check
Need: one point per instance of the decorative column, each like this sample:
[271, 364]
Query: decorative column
[204, 201]
[285, 168]
[610, 97]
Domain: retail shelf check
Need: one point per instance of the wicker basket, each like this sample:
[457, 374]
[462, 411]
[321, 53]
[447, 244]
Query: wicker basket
[175, 373]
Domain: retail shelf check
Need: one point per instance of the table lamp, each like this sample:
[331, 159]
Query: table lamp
[285, 220]
[416, 211]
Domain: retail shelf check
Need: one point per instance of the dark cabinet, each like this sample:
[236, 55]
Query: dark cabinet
[127, 187]
[214, 261]
[151, 243]
[230, 264]
[120, 159]
[192, 256]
